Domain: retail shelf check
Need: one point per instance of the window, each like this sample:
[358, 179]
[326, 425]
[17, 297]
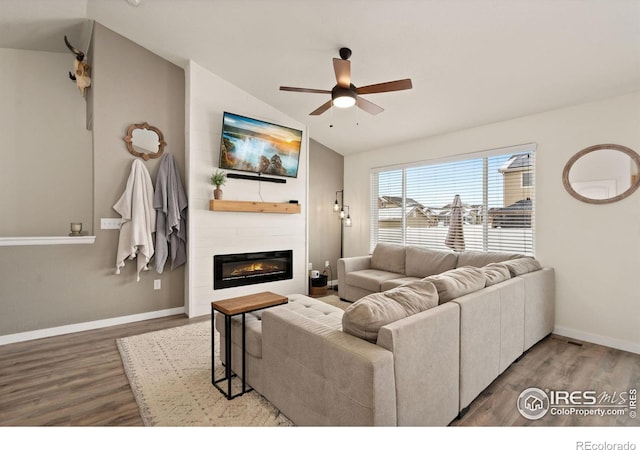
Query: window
[413, 205]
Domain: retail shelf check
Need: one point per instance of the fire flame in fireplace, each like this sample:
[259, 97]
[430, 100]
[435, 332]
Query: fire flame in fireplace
[253, 268]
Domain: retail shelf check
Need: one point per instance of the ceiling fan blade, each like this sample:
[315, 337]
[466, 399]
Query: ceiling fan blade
[321, 109]
[312, 91]
[368, 106]
[389, 86]
[342, 68]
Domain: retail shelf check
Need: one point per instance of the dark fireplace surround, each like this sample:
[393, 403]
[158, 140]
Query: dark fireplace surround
[241, 269]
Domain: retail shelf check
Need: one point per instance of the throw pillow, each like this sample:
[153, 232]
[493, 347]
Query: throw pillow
[388, 257]
[457, 282]
[365, 317]
[521, 266]
[496, 273]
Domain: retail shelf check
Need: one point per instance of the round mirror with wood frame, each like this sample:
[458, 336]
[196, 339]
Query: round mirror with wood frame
[622, 181]
[137, 140]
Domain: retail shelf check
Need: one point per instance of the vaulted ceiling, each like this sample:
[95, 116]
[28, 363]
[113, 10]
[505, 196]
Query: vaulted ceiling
[472, 62]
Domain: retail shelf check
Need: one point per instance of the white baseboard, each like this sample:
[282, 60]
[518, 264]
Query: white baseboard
[74, 328]
[597, 339]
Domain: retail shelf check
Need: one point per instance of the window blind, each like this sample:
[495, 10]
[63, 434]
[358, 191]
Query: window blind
[413, 205]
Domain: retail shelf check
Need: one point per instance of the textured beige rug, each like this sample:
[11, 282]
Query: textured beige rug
[170, 374]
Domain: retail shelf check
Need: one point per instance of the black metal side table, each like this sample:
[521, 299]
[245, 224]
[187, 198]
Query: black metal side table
[229, 308]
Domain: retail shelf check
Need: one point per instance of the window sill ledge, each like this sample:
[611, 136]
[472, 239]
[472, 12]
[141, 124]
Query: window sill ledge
[45, 240]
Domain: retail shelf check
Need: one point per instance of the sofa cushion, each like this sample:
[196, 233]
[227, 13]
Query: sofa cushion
[480, 259]
[313, 309]
[496, 273]
[457, 282]
[369, 279]
[316, 310]
[521, 266]
[364, 318]
[422, 262]
[388, 257]
[396, 282]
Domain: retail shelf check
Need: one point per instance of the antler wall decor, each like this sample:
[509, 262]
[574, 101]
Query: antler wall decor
[80, 68]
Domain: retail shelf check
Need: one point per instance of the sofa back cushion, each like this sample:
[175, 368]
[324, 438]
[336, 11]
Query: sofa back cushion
[457, 282]
[388, 257]
[364, 318]
[521, 266]
[422, 262]
[480, 259]
[496, 273]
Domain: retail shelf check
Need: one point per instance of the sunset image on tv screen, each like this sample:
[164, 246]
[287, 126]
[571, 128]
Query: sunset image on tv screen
[252, 145]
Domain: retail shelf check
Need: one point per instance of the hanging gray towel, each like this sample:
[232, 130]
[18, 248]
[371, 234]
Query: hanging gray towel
[170, 203]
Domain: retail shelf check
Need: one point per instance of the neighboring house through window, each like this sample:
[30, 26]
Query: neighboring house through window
[412, 204]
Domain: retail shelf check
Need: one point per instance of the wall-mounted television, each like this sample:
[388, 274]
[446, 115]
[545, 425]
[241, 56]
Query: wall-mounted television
[252, 145]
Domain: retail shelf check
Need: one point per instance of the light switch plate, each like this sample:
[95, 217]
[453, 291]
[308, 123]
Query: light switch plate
[110, 224]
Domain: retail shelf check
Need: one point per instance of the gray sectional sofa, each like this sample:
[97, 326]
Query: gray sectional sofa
[417, 346]
[391, 265]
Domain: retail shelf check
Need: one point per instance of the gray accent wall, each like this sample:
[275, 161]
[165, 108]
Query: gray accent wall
[49, 286]
[43, 144]
[325, 178]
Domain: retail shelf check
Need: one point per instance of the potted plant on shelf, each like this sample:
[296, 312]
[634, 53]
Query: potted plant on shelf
[219, 178]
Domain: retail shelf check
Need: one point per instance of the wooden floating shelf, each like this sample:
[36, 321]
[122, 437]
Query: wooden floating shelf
[259, 207]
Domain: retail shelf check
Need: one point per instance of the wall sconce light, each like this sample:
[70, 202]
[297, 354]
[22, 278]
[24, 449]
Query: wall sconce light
[347, 221]
[345, 217]
[336, 205]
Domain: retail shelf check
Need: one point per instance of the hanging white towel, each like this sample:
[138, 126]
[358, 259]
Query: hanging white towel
[138, 219]
[170, 202]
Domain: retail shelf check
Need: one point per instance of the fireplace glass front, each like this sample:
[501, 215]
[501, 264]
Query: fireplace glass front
[242, 269]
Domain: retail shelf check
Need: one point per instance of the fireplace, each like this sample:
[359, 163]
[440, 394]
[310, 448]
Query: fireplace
[241, 269]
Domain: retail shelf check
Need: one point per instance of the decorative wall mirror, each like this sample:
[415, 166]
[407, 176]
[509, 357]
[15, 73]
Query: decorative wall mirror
[603, 173]
[145, 141]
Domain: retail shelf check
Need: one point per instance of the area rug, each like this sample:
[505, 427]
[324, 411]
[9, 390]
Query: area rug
[170, 374]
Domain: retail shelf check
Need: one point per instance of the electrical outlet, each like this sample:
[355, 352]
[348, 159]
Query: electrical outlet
[157, 284]
[110, 224]
[326, 264]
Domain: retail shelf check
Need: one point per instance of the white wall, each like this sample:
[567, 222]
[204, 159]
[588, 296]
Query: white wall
[595, 249]
[211, 233]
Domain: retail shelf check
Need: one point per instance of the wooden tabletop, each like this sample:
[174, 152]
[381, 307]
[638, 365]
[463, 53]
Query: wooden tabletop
[248, 303]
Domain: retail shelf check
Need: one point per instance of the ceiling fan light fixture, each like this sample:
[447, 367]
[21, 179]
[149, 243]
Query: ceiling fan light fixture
[344, 102]
[345, 94]
[343, 97]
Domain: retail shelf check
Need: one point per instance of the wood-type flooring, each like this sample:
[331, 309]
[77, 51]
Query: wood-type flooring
[78, 380]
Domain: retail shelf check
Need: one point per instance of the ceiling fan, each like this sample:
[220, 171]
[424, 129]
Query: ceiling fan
[345, 94]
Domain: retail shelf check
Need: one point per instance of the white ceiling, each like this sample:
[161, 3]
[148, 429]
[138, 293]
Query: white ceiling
[472, 62]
